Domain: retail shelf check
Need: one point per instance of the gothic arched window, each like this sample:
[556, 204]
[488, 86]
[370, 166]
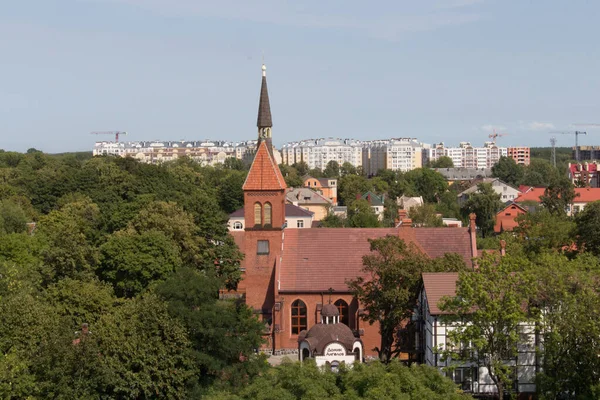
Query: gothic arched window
[342, 307]
[257, 214]
[267, 214]
[298, 317]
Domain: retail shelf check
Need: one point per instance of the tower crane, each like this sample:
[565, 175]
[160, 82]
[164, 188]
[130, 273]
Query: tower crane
[116, 133]
[494, 135]
[576, 133]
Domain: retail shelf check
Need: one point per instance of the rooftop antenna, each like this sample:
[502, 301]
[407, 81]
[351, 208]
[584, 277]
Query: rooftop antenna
[553, 143]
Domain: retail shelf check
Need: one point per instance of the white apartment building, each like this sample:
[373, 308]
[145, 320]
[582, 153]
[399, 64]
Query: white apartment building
[316, 153]
[207, 152]
[466, 155]
[399, 154]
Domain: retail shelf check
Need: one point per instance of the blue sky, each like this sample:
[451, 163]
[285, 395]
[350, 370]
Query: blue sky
[439, 70]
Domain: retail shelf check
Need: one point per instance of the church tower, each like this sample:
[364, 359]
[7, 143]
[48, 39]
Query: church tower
[264, 188]
[264, 214]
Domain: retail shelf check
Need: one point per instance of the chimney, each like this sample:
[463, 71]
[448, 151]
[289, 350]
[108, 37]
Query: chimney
[406, 222]
[503, 248]
[473, 232]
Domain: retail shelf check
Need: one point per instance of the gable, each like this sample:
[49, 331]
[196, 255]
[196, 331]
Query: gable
[264, 173]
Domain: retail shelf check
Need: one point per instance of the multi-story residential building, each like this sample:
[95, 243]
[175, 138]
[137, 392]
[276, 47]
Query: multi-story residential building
[401, 154]
[588, 153]
[507, 193]
[584, 174]
[466, 155]
[316, 153]
[327, 187]
[433, 338]
[207, 152]
[521, 155]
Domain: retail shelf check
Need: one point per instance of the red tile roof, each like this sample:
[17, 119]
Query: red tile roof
[587, 195]
[438, 285]
[264, 173]
[583, 195]
[319, 259]
[532, 195]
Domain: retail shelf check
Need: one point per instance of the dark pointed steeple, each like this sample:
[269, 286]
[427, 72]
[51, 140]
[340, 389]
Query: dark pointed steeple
[264, 109]
[264, 121]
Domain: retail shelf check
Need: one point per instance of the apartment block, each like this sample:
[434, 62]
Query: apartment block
[521, 155]
[317, 153]
[206, 152]
[401, 154]
[466, 155]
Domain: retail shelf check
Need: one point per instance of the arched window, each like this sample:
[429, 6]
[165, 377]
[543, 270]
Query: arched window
[257, 214]
[298, 317]
[237, 225]
[267, 214]
[342, 307]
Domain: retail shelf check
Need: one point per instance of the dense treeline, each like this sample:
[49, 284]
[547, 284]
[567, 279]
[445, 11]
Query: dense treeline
[138, 253]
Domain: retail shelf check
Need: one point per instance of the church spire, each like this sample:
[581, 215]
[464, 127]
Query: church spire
[264, 121]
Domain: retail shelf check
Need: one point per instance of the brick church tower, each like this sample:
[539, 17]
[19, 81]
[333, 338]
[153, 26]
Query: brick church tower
[264, 214]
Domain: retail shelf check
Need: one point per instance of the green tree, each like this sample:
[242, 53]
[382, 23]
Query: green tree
[234, 163]
[347, 169]
[12, 217]
[68, 235]
[542, 231]
[389, 295]
[131, 260]
[442, 162]
[291, 381]
[570, 327]
[427, 183]
[333, 221]
[144, 353]
[231, 194]
[332, 170]
[539, 173]
[588, 228]
[291, 176]
[221, 331]
[302, 168]
[361, 215]
[425, 215]
[351, 186]
[489, 306]
[485, 203]
[559, 195]
[508, 171]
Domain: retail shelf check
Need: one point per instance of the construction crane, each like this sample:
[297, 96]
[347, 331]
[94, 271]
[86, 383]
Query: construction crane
[576, 133]
[494, 135]
[116, 133]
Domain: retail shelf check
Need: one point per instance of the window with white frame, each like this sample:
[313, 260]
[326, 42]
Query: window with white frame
[300, 223]
[237, 225]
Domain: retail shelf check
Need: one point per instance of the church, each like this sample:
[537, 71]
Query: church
[292, 277]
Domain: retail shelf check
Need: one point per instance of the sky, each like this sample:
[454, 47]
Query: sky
[437, 70]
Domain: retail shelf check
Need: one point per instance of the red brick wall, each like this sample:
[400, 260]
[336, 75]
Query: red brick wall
[284, 339]
[277, 200]
[259, 278]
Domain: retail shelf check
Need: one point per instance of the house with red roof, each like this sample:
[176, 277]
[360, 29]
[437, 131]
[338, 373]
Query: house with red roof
[289, 275]
[432, 338]
[583, 196]
[506, 218]
[584, 174]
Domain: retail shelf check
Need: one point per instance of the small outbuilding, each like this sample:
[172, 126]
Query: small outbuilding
[330, 342]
